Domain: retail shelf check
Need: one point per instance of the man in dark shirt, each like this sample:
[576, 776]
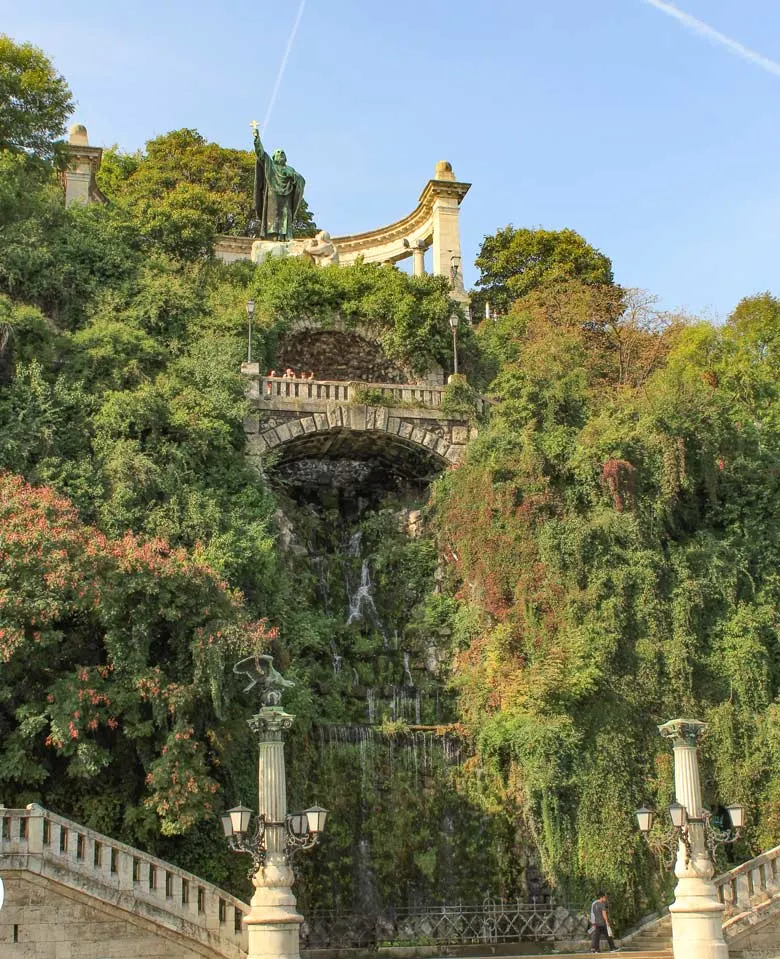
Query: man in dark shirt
[600, 919]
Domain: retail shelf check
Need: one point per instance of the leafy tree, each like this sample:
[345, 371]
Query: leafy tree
[613, 539]
[35, 100]
[183, 191]
[513, 262]
[114, 665]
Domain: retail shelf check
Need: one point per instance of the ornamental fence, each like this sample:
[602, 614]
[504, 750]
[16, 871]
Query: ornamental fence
[495, 920]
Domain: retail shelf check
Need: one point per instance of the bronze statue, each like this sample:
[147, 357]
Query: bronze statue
[259, 669]
[278, 194]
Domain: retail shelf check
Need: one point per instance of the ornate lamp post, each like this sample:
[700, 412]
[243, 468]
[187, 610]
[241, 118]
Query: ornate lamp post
[273, 922]
[454, 328]
[697, 914]
[250, 314]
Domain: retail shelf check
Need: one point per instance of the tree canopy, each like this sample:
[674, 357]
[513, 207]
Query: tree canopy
[35, 100]
[512, 262]
[182, 191]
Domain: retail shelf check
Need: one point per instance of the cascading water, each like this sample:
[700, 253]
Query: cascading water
[377, 760]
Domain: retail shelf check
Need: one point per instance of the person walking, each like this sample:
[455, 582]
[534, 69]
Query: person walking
[600, 926]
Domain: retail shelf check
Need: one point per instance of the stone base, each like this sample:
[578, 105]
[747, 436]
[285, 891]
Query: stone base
[262, 249]
[697, 921]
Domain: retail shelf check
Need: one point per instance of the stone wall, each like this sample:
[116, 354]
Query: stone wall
[44, 920]
[333, 355]
[99, 890]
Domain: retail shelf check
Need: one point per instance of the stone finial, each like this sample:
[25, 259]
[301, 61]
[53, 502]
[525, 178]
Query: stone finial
[444, 170]
[77, 135]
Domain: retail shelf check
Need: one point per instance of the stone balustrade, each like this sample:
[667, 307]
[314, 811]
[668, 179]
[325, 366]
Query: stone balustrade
[748, 885]
[279, 388]
[41, 842]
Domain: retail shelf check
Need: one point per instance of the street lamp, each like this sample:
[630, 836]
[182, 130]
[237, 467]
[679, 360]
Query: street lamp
[645, 817]
[454, 328]
[250, 312]
[696, 912]
[273, 922]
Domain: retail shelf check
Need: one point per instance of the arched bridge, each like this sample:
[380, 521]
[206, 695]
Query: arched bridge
[400, 425]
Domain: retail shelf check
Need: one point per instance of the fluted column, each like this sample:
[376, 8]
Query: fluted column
[697, 915]
[273, 922]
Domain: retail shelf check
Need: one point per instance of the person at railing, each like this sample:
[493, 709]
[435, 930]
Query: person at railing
[289, 374]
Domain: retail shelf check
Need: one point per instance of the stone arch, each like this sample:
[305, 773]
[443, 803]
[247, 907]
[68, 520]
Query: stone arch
[346, 428]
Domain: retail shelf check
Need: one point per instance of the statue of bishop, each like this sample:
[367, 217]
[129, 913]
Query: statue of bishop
[278, 194]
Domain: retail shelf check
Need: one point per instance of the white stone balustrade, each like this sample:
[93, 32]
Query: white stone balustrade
[49, 845]
[751, 883]
[336, 391]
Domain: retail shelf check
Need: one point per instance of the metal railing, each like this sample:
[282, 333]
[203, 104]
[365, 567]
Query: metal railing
[493, 921]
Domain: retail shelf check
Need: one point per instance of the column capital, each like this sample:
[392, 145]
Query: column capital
[683, 732]
[271, 723]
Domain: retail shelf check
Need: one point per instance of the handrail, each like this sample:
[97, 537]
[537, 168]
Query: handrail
[42, 841]
[755, 880]
[343, 391]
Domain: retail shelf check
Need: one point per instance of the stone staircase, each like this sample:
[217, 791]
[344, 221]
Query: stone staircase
[651, 938]
[751, 925]
[53, 857]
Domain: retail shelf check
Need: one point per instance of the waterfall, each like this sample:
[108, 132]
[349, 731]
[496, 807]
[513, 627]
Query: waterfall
[361, 599]
[407, 672]
[337, 659]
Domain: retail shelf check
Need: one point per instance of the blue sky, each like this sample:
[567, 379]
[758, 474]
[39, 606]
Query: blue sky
[607, 116]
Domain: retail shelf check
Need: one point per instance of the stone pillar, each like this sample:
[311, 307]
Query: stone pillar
[83, 163]
[418, 252]
[273, 922]
[447, 194]
[697, 914]
[35, 829]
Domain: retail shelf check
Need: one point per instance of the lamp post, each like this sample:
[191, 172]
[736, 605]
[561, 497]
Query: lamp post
[250, 313]
[273, 922]
[454, 328]
[697, 914]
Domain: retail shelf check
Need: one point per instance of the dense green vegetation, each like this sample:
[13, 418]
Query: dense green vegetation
[604, 560]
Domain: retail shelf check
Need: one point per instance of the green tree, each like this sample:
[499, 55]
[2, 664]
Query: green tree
[513, 262]
[182, 191]
[113, 672]
[35, 100]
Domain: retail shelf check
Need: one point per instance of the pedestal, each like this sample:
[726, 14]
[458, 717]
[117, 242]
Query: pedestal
[697, 914]
[273, 922]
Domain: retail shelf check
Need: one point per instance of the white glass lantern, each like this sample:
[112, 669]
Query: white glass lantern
[737, 815]
[679, 815]
[299, 824]
[227, 826]
[316, 816]
[250, 308]
[645, 817]
[240, 818]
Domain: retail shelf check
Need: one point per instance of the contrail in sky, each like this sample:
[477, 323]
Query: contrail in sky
[704, 30]
[283, 64]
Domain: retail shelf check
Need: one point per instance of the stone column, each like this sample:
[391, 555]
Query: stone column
[445, 194]
[418, 252]
[83, 163]
[273, 922]
[697, 915]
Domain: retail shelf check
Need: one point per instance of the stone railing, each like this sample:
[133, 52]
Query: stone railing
[749, 885]
[274, 388]
[41, 842]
